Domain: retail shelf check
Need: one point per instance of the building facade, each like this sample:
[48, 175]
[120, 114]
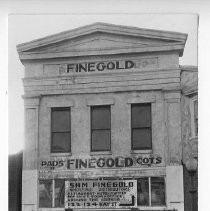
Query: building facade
[189, 114]
[15, 181]
[103, 120]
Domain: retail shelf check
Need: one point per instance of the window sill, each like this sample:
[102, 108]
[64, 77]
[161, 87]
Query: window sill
[53, 208]
[87, 209]
[101, 153]
[193, 138]
[153, 208]
[138, 208]
[59, 154]
[146, 151]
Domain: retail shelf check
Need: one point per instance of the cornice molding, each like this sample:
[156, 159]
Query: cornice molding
[76, 53]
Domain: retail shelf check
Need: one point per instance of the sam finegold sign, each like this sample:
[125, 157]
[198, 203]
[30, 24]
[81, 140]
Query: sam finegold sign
[101, 194]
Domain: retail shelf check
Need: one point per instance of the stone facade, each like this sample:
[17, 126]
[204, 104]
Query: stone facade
[189, 81]
[155, 78]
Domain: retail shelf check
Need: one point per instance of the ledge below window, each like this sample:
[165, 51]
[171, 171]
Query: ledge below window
[194, 139]
[154, 208]
[101, 153]
[60, 154]
[50, 209]
[159, 208]
[146, 151]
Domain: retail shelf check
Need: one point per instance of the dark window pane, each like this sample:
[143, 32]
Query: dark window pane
[196, 116]
[100, 140]
[196, 127]
[45, 193]
[100, 118]
[61, 142]
[141, 139]
[157, 191]
[196, 108]
[141, 115]
[143, 192]
[61, 120]
[59, 193]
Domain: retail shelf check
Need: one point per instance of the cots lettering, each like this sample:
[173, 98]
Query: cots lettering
[99, 66]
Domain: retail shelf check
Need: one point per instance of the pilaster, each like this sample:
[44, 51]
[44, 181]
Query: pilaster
[173, 127]
[30, 154]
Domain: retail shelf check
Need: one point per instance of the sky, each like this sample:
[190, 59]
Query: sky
[24, 28]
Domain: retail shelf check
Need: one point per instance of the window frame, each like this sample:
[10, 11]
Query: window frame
[132, 128]
[53, 181]
[52, 197]
[91, 129]
[192, 115]
[54, 192]
[150, 192]
[63, 108]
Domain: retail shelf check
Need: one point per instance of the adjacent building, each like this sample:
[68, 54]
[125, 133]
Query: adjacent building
[15, 181]
[103, 126]
[189, 114]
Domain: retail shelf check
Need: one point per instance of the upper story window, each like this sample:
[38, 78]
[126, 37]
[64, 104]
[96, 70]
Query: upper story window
[60, 130]
[194, 116]
[141, 130]
[100, 128]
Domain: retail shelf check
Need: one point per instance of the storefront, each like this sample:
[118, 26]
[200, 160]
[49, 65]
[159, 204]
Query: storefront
[103, 120]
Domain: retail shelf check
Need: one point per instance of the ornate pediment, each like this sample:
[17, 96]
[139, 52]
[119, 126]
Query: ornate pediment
[102, 39]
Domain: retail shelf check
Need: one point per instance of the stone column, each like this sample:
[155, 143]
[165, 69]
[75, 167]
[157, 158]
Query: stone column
[30, 155]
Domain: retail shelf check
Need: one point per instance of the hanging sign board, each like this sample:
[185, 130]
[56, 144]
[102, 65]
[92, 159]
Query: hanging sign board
[101, 194]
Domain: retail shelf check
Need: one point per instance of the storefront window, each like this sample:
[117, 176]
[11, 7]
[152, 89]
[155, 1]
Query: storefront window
[151, 191]
[100, 128]
[45, 193]
[141, 132]
[59, 193]
[157, 191]
[143, 191]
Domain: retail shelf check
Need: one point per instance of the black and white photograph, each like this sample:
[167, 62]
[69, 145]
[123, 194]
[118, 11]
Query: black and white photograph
[103, 112]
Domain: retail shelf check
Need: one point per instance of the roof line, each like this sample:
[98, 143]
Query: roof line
[102, 27]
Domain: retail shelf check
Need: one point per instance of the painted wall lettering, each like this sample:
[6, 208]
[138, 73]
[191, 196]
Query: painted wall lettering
[101, 162]
[101, 66]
